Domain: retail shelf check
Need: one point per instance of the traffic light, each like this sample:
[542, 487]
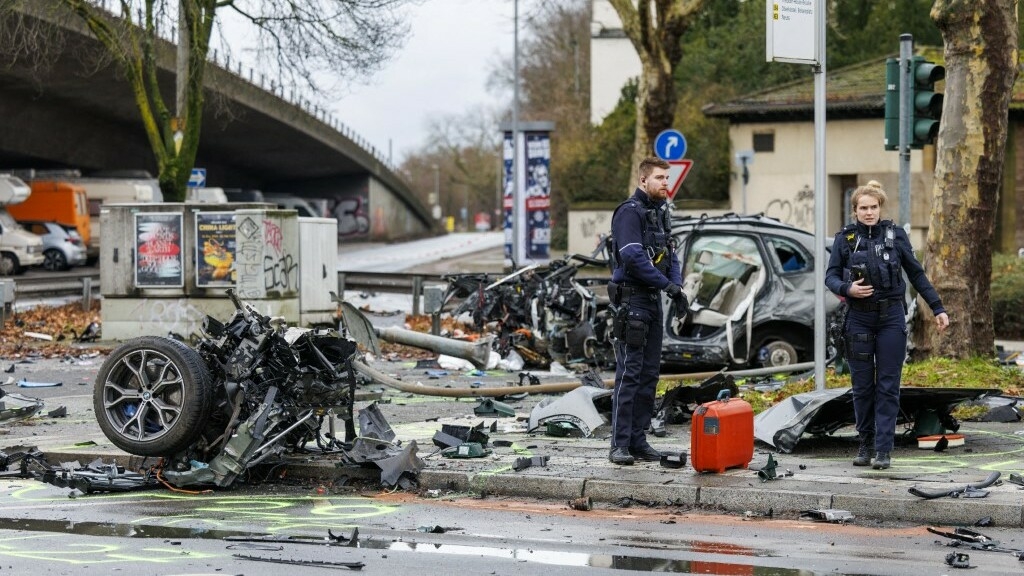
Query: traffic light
[892, 104]
[926, 103]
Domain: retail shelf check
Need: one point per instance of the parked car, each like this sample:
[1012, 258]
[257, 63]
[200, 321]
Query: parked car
[750, 284]
[62, 245]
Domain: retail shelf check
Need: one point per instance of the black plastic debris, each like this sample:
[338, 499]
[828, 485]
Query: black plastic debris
[524, 462]
[432, 529]
[466, 450]
[98, 476]
[561, 429]
[372, 424]
[768, 471]
[14, 406]
[320, 563]
[406, 462]
[958, 560]
[61, 412]
[491, 407]
[331, 539]
[673, 459]
[502, 443]
[467, 433]
[1016, 479]
[678, 403]
[592, 378]
[985, 522]
[969, 491]
[9, 369]
[827, 515]
[527, 377]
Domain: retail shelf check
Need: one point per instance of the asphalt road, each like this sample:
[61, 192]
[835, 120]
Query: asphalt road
[43, 531]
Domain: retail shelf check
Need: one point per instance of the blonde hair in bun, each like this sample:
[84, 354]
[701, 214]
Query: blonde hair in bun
[873, 189]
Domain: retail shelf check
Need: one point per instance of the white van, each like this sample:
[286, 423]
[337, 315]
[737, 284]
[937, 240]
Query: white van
[102, 191]
[18, 247]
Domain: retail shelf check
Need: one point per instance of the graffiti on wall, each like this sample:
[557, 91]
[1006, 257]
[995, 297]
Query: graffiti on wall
[264, 264]
[593, 226]
[798, 211]
[351, 212]
[167, 315]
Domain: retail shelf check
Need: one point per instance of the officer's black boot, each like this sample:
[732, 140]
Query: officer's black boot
[880, 461]
[867, 448]
[621, 456]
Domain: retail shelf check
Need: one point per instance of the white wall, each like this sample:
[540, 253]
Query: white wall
[613, 60]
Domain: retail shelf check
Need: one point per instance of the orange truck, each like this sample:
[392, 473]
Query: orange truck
[56, 201]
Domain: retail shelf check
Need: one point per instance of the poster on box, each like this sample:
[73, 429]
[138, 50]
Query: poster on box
[215, 249]
[158, 260]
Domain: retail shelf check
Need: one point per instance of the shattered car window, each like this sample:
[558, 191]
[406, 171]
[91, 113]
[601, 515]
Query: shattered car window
[715, 261]
[792, 258]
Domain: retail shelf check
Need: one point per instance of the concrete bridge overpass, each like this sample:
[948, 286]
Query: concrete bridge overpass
[73, 113]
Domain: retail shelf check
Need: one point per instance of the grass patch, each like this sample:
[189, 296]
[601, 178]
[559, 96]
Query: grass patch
[929, 373]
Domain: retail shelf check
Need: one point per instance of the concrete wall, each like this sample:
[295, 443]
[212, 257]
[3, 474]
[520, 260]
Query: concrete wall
[781, 182]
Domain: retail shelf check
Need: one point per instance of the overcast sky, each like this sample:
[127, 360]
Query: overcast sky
[442, 69]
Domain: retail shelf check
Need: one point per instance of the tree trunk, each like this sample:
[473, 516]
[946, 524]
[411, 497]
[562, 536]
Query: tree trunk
[655, 28]
[981, 66]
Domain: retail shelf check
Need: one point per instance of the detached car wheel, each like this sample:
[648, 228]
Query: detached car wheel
[153, 396]
[778, 353]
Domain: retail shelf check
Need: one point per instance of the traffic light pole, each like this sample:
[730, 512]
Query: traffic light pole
[906, 119]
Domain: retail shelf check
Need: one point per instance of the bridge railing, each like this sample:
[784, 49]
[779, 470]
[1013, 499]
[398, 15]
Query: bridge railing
[260, 80]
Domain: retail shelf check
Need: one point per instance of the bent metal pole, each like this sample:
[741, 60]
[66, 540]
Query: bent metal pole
[548, 388]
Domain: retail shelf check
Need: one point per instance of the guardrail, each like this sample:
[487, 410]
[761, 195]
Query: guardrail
[86, 286]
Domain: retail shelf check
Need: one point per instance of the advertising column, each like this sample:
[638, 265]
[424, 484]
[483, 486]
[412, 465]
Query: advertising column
[534, 213]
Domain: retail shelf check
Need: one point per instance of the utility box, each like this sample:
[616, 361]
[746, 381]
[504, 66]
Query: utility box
[7, 290]
[318, 270]
[166, 266]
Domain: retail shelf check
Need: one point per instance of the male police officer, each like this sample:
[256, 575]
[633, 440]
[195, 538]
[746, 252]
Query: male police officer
[645, 264]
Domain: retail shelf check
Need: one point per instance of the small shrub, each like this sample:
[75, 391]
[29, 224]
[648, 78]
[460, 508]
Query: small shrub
[1007, 294]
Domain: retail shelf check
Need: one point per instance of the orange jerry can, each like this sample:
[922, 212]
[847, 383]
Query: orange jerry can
[722, 434]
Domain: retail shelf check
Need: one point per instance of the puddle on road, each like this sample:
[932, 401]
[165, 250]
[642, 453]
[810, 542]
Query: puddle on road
[555, 557]
[119, 530]
[621, 562]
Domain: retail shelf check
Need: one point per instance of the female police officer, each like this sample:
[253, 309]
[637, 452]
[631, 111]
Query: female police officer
[865, 268]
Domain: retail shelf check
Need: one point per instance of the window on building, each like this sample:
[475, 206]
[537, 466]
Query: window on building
[764, 142]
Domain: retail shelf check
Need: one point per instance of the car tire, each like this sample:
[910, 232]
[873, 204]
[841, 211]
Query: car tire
[8, 264]
[777, 353]
[54, 260]
[153, 396]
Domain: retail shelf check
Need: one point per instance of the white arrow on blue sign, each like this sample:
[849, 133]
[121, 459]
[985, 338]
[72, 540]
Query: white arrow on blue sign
[670, 145]
[198, 178]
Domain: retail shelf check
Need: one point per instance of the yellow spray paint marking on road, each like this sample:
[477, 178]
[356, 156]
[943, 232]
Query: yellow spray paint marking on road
[46, 550]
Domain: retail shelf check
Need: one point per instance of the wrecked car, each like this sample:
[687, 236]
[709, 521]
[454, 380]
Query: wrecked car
[750, 284]
[544, 312]
[249, 389]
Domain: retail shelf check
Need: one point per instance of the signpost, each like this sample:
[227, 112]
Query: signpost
[795, 32]
[198, 178]
[670, 145]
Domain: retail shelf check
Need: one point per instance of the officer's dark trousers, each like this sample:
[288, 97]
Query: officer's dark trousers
[876, 346]
[636, 374]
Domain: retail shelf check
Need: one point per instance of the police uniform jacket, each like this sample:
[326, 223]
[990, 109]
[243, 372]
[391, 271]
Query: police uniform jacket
[881, 252]
[641, 229]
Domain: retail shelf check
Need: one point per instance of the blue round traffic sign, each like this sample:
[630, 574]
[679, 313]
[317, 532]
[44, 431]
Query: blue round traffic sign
[670, 145]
